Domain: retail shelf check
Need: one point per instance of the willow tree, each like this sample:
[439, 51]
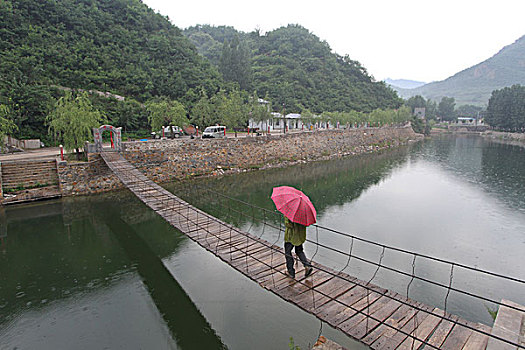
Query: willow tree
[72, 120]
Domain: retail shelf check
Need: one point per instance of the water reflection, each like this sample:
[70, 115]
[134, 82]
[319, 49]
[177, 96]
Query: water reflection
[77, 261]
[188, 326]
[328, 184]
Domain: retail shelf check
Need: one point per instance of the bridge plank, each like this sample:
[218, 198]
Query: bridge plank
[344, 313]
[457, 337]
[478, 340]
[387, 328]
[422, 332]
[395, 337]
[315, 279]
[322, 294]
[441, 332]
[380, 313]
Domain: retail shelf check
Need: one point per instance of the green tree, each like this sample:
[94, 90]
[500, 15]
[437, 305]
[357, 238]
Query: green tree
[203, 112]
[232, 109]
[431, 110]
[235, 64]
[417, 101]
[506, 109]
[73, 119]
[7, 126]
[446, 108]
[164, 112]
[259, 112]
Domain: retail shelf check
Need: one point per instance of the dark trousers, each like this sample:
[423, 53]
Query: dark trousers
[299, 251]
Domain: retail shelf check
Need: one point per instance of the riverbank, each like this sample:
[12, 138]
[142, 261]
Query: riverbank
[168, 160]
[505, 136]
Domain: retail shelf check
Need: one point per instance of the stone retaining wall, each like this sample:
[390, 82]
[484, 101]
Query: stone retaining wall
[507, 136]
[166, 160]
[89, 177]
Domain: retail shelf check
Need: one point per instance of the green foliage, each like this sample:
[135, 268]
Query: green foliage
[377, 117]
[7, 126]
[421, 126]
[129, 113]
[73, 119]
[232, 109]
[298, 71]
[163, 112]
[120, 46]
[203, 113]
[209, 40]
[420, 102]
[235, 64]
[125, 48]
[257, 111]
[416, 102]
[506, 109]
[446, 109]
[468, 110]
[492, 312]
[292, 346]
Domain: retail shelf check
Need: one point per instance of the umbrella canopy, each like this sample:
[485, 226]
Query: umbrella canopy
[294, 204]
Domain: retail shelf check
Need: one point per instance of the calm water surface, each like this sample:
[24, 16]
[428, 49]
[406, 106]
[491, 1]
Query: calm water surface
[106, 272]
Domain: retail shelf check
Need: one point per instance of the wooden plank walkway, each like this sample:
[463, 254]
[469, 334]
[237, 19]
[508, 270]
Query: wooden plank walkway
[379, 318]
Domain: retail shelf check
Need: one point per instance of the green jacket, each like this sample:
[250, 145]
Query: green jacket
[295, 233]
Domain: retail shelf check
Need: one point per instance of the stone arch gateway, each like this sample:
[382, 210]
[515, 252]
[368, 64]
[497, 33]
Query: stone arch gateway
[117, 137]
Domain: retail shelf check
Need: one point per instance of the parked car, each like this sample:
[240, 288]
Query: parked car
[216, 131]
[169, 131]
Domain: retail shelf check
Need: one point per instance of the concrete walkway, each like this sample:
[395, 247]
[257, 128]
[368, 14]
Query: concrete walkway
[40, 153]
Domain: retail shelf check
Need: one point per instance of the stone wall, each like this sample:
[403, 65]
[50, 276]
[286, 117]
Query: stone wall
[165, 160]
[506, 136]
[89, 177]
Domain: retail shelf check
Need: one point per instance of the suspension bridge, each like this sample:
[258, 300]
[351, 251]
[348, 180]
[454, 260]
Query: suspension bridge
[377, 317]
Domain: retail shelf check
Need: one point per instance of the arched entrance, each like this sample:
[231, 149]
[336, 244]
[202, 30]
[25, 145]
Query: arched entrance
[116, 134]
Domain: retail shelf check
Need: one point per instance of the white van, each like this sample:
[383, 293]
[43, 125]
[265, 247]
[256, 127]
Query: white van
[214, 132]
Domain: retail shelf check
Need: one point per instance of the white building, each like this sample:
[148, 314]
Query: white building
[278, 122]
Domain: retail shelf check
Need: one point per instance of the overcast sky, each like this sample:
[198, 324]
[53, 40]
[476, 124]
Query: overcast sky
[424, 40]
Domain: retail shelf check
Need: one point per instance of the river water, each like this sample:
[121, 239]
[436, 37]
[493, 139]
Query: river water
[106, 272]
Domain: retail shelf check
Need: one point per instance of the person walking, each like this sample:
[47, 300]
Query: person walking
[299, 212]
[295, 236]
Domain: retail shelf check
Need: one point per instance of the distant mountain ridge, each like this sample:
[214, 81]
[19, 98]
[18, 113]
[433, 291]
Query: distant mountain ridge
[474, 85]
[404, 83]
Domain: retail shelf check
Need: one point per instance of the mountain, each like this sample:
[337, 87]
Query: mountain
[117, 46]
[404, 83]
[295, 69]
[475, 84]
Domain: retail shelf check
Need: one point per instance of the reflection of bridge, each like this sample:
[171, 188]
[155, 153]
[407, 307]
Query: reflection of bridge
[377, 317]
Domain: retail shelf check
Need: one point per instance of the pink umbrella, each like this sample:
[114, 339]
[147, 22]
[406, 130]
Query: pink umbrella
[294, 204]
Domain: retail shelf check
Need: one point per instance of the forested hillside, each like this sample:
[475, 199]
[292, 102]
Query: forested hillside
[475, 84]
[48, 47]
[295, 69]
[120, 46]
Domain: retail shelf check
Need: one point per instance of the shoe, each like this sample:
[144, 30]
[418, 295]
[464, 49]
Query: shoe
[308, 271]
[290, 274]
